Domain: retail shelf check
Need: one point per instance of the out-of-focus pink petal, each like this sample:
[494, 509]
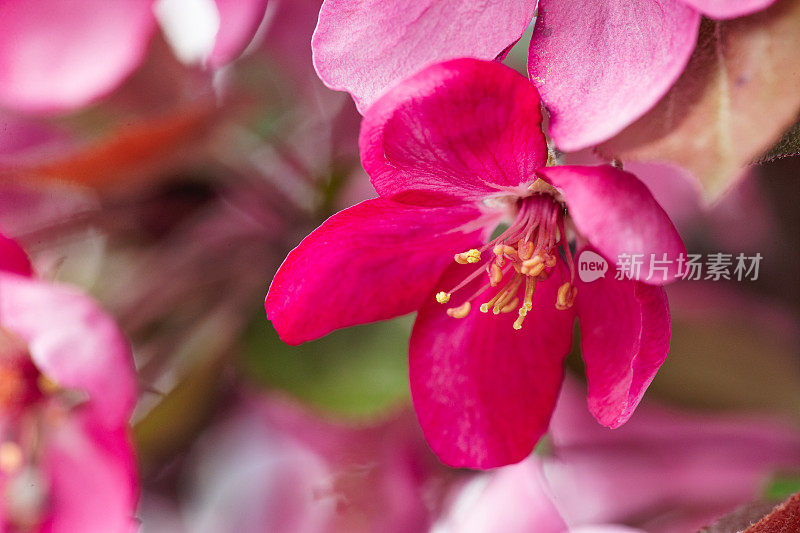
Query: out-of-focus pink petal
[238, 22]
[13, 258]
[59, 55]
[728, 9]
[484, 392]
[605, 529]
[373, 261]
[601, 65]
[709, 463]
[625, 330]
[465, 128]
[514, 498]
[271, 466]
[92, 484]
[366, 47]
[617, 213]
[26, 141]
[73, 342]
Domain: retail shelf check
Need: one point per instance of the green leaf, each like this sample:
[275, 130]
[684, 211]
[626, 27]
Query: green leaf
[358, 372]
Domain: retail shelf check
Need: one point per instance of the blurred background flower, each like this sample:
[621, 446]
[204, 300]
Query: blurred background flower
[165, 164]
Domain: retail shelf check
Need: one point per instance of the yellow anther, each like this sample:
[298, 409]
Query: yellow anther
[484, 308]
[532, 270]
[566, 296]
[533, 261]
[470, 256]
[510, 306]
[459, 312]
[518, 322]
[509, 250]
[550, 261]
[11, 457]
[495, 274]
[442, 297]
[525, 250]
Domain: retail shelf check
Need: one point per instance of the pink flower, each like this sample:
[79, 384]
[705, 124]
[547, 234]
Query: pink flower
[514, 498]
[598, 65]
[453, 152]
[366, 47]
[213, 33]
[69, 388]
[602, 65]
[57, 55]
[270, 466]
[666, 471]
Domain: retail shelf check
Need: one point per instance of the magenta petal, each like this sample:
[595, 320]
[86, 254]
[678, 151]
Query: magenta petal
[625, 330]
[602, 65]
[58, 55]
[464, 129]
[484, 392]
[366, 47]
[728, 9]
[617, 213]
[73, 342]
[13, 258]
[373, 261]
[238, 22]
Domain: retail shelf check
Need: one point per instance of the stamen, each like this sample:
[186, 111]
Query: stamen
[495, 274]
[500, 259]
[501, 294]
[508, 294]
[525, 250]
[461, 311]
[533, 267]
[470, 256]
[510, 306]
[529, 246]
[530, 287]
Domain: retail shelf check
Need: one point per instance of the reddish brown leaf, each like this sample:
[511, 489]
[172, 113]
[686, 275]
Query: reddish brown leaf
[738, 95]
[783, 519]
[132, 154]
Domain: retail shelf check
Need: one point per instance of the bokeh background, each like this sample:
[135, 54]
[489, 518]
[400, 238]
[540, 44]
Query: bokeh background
[174, 198]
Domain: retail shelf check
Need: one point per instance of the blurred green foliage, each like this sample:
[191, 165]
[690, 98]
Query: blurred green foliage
[358, 372]
[781, 486]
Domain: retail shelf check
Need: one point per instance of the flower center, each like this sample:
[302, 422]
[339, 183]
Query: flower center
[18, 375]
[521, 256]
[29, 403]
